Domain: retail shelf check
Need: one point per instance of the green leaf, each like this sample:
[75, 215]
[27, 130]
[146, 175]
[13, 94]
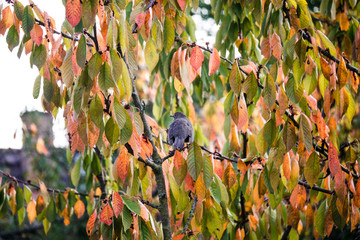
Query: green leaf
[127, 130]
[218, 190]
[250, 86]
[312, 169]
[61, 202]
[195, 161]
[27, 194]
[19, 198]
[21, 215]
[75, 173]
[96, 111]
[119, 113]
[36, 88]
[94, 65]
[77, 96]
[208, 171]
[145, 233]
[12, 38]
[235, 78]
[46, 225]
[96, 165]
[169, 34]
[127, 218]
[67, 72]
[327, 43]
[151, 55]
[19, 9]
[269, 92]
[112, 131]
[123, 32]
[261, 144]
[305, 132]
[270, 131]
[105, 79]
[132, 204]
[39, 55]
[51, 211]
[81, 52]
[320, 218]
[115, 65]
[289, 135]
[28, 20]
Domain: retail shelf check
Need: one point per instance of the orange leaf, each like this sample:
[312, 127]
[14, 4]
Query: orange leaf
[275, 45]
[179, 160]
[243, 116]
[79, 208]
[73, 12]
[286, 166]
[340, 186]
[106, 215]
[265, 48]
[214, 62]
[175, 64]
[91, 222]
[144, 213]
[140, 19]
[31, 211]
[200, 188]
[298, 197]
[7, 19]
[326, 69]
[117, 204]
[122, 164]
[334, 163]
[182, 4]
[342, 73]
[293, 216]
[36, 34]
[229, 176]
[196, 58]
[146, 147]
[40, 204]
[189, 183]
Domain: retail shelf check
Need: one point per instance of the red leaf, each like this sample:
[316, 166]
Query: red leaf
[182, 4]
[196, 58]
[117, 204]
[214, 62]
[334, 163]
[36, 34]
[146, 147]
[140, 19]
[91, 222]
[73, 12]
[122, 164]
[106, 215]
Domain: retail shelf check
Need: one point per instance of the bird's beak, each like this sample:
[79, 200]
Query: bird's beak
[172, 115]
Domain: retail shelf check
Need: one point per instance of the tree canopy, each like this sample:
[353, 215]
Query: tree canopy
[273, 103]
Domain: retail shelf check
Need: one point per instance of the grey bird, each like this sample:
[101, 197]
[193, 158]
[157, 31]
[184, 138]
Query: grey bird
[180, 131]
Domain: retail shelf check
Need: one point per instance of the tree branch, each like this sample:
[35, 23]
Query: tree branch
[191, 215]
[316, 188]
[100, 176]
[150, 5]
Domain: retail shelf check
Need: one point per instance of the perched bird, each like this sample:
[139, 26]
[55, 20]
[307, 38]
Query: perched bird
[180, 131]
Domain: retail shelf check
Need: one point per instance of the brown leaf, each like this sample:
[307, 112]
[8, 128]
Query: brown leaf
[342, 73]
[175, 64]
[265, 48]
[326, 69]
[275, 45]
[91, 222]
[293, 216]
[310, 65]
[334, 163]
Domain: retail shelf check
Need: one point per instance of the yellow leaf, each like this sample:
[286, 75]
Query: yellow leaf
[31, 211]
[79, 208]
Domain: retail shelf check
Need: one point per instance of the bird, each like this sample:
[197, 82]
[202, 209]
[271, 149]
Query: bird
[180, 131]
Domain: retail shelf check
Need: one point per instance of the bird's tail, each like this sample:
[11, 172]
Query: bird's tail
[179, 143]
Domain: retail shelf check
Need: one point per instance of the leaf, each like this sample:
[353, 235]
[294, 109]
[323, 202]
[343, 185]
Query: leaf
[73, 12]
[275, 45]
[28, 20]
[250, 86]
[27, 194]
[117, 204]
[305, 132]
[106, 215]
[182, 4]
[36, 34]
[67, 72]
[39, 55]
[196, 58]
[326, 69]
[151, 55]
[112, 131]
[195, 161]
[235, 78]
[79, 208]
[132, 204]
[19, 9]
[94, 65]
[214, 61]
[320, 218]
[91, 222]
[200, 188]
[105, 79]
[327, 43]
[12, 38]
[122, 164]
[31, 211]
[119, 113]
[342, 73]
[169, 34]
[229, 177]
[289, 135]
[36, 88]
[208, 171]
[140, 19]
[269, 92]
[75, 173]
[334, 164]
[312, 169]
[81, 52]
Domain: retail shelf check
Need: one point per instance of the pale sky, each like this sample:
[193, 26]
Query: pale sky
[17, 79]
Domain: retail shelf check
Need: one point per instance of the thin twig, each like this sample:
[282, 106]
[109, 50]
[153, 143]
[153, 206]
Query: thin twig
[316, 188]
[191, 215]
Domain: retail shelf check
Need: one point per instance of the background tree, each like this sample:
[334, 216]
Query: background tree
[272, 105]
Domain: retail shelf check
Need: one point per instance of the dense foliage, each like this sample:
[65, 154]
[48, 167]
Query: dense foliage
[273, 104]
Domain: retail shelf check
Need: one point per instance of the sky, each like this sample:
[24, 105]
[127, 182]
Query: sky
[17, 79]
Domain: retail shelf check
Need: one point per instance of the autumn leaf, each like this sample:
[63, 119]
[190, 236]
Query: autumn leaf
[275, 45]
[182, 4]
[31, 211]
[79, 208]
[214, 62]
[122, 164]
[36, 34]
[73, 12]
[106, 215]
[196, 58]
[334, 164]
[342, 73]
[326, 69]
[140, 19]
[312, 169]
[91, 222]
[117, 204]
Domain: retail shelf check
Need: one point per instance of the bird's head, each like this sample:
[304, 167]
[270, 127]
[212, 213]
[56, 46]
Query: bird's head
[178, 115]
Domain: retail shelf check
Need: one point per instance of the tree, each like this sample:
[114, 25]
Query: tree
[274, 147]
